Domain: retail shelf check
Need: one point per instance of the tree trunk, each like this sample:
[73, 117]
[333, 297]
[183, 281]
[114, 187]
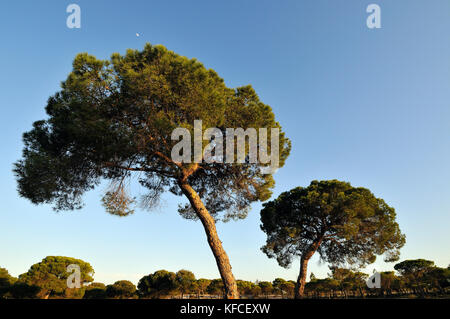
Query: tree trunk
[361, 292]
[301, 280]
[223, 263]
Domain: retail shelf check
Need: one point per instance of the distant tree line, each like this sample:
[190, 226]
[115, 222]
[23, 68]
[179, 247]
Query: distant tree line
[414, 278]
[48, 279]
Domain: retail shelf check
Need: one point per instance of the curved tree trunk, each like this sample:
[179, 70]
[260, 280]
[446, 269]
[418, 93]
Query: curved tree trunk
[223, 263]
[301, 280]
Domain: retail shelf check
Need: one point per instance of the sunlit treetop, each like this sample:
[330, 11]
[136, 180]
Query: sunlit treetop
[344, 224]
[113, 119]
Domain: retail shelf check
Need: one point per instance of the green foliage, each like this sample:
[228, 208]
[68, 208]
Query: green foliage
[279, 285]
[245, 287]
[283, 287]
[341, 283]
[256, 291]
[161, 282]
[287, 288]
[51, 274]
[6, 278]
[185, 280]
[266, 287]
[122, 289]
[415, 267]
[344, 224]
[96, 290]
[21, 290]
[6, 282]
[118, 202]
[347, 279]
[113, 118]
[349, 282]
[438, 277]
[201, 285]
[389, 280]
[216, 287]
[320, 286]
[416, 273]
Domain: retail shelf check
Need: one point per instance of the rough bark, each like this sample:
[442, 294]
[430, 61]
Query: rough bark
[223, 263]
[301, 280]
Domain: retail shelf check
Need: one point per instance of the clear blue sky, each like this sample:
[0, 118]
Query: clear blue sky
[367, 106]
